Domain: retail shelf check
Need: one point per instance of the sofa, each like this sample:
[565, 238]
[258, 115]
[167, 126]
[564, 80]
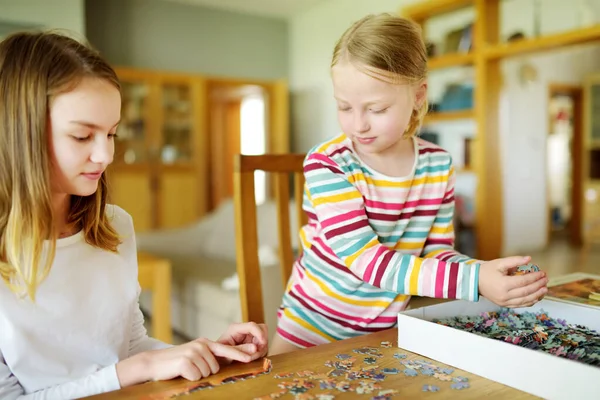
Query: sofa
[204, 295]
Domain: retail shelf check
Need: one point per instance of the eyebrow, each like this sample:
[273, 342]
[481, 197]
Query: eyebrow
[370, 103]
[92, 125]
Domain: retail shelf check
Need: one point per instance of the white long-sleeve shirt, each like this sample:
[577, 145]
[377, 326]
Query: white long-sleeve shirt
[85, 319]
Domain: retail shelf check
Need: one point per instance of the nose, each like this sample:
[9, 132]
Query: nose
[361, 124]
[103, 150]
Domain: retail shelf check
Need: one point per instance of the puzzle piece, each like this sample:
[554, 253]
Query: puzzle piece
[526, 269]
[460, 385]
[430, 388]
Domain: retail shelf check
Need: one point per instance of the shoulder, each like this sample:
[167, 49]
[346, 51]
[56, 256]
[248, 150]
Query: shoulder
[336, 151]
[119, 219]
[434, 154]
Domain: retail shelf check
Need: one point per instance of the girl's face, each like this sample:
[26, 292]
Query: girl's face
[374, 114]
[82, 126]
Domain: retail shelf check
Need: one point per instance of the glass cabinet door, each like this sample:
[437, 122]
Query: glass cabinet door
[177, 127]
[131, 146]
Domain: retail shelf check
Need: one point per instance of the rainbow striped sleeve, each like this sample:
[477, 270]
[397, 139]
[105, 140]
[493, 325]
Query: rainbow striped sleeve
[339, 208]
[440, 241]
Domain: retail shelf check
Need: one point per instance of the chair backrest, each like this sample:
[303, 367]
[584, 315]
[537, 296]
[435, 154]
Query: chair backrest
[280, 166]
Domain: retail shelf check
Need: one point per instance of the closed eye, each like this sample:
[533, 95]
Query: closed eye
[82, 138]
[379, 111]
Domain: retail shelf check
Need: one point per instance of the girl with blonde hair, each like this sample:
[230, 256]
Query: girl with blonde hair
[380, 203]
[70, 323]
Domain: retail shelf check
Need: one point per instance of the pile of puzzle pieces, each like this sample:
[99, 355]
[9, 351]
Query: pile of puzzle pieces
[537, 331]
[360, 373]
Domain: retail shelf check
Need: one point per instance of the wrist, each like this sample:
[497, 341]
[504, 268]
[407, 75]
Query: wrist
[134, 370]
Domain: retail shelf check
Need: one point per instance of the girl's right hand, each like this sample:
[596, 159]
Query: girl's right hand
[193, 361]
[499, 286]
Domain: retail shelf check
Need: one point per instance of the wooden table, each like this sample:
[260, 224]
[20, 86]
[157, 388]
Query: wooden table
[313, 359]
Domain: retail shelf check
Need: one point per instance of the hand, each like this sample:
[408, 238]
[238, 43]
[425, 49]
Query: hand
[193, 361]
[247, 333]
[506, 290]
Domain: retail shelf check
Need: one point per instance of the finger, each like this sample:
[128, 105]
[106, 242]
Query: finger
[209, 358]
[221, 350]
[532, 298]
[520, 281]
[532, 287]
[189, 370]
[507, 263]
[247, 348]
[202, 365]
[251, 328]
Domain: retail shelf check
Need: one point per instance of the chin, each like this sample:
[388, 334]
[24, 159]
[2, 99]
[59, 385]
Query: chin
[84, 191]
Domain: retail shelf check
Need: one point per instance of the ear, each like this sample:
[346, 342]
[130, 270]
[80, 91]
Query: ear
[420, 94]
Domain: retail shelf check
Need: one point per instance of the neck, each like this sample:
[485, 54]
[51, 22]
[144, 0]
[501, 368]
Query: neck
[60, 207]
[397, 160]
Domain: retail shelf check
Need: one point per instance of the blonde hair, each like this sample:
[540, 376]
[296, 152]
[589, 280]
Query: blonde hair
[34, 68]
[388, 48]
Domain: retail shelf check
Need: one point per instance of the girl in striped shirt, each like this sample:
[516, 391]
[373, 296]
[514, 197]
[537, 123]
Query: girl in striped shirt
[380, 203]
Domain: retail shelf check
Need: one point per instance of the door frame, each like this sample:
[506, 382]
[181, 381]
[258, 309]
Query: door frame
[575, 92]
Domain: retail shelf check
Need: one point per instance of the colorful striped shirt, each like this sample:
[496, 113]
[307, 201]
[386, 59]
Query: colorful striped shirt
[371, 242]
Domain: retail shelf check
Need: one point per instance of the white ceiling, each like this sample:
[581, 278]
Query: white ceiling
[271, 8]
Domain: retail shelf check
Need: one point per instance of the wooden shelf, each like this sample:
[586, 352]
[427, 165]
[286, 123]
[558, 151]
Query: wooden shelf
[427, 9]
[524, 46]
[444, 116]
[451, 60]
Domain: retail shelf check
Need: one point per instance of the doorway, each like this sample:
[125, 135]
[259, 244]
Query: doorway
[244, 117]
[564, 150]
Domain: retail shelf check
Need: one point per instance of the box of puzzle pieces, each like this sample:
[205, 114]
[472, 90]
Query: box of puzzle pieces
[550, 350]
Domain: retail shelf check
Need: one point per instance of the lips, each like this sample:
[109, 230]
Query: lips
[93, 175]
[366, 140]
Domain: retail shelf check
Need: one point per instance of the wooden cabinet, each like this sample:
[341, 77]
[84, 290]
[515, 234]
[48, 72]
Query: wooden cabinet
[159, 172]
[175, 145]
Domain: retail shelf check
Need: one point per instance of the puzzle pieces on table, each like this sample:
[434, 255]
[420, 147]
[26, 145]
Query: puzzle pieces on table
[460, 385]
[386, 344]
[213, 382]
[430, 388]
[344, 377]
[324, 396]
[391, 371]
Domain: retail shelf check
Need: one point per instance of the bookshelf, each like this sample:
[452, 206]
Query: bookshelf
[485, 58]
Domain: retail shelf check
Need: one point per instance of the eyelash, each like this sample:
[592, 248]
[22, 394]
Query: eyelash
[85, 139]
[373, 111]
[379, 111]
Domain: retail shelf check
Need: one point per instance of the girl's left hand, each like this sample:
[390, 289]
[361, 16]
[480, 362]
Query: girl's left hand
[247, 333]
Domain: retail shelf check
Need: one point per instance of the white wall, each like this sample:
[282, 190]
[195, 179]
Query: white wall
[524, 130]
[61, 14]
[314, 32]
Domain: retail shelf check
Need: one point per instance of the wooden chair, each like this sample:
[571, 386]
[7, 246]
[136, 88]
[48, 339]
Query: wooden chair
[280, 166]
[154, 274]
